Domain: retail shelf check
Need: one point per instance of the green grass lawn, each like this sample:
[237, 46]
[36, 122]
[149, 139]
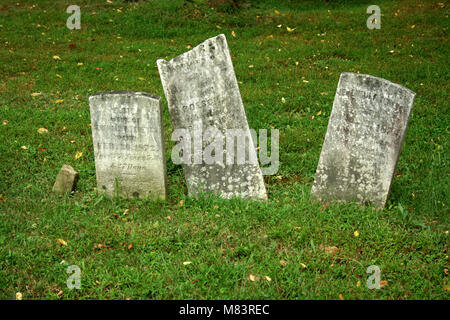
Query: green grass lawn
[141, 254]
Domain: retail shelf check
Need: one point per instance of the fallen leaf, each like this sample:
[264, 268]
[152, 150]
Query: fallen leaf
[181, 202]
[186, 263]
[189, 46]
[289, 29]
[140, 78]
[319, 113]
[341, 297]
[267, 278]
[80, 64]
[35, 94]
[18, 296]
[62, 242]
[358, 284]
[233, 33]
[277, 12]
[59, 101]
[331, 250]
[78, 155]
[383, 283]
[283, 263]
[303, 265]
[42, 130]
[252, 277]
[59, 76]
[130, 246]
[56, 58]
[5, 122]
[356, 233]
[126, 212]
[283, 100]
[24, 147]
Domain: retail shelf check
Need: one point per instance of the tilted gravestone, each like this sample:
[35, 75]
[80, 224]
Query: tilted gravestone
[363, 141]
[127, 135]
[66, 180]
[207, 111]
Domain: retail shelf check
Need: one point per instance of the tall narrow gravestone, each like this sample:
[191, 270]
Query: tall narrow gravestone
[363, 141]
[127, 134]
[217, 151]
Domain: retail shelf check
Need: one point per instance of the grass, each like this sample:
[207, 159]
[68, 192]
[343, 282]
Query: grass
[140, 255]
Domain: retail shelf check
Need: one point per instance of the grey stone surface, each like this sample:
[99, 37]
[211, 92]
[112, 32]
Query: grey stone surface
[127, 134]
[363, 141]
[201, 87]
[66, 180]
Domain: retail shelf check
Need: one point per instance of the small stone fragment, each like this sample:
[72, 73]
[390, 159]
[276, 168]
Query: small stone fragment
[66, 180]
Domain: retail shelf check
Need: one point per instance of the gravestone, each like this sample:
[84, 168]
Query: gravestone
[363, 141]
[66, 180]
[127, 135]
[205, 103]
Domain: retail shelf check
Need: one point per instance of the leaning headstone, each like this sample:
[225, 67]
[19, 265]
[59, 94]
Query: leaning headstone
[66, 180]
[363, 141]
[206, 110]
[127, 134]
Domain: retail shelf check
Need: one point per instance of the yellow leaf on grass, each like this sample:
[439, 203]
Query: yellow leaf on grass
[319, 113]
[142, 79]
[78, 155]
[283, 100]
[303, 265]
[59, 76]
[341, 297]
[59, 100]
[233, 33]
[289, 29]
[62, 242]
[283, 263]
[383, 283]
[42, 130]
[24, 147]
[267, 278]
[5, 122]
[80, 64]
[251, 277]
[356, 233]
[18, 296]
[186, 263]
[56, 58]
[277, 12]
[35, 94]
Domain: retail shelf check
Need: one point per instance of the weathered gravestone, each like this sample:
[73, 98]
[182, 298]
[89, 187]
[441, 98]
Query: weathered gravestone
[363, 141]
[127, 134]
[66, 180]
[208, 115]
